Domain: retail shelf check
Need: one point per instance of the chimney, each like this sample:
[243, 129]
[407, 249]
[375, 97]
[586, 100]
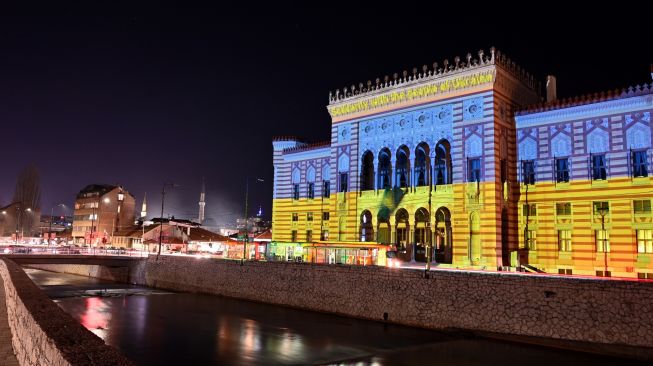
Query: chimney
[551, 94]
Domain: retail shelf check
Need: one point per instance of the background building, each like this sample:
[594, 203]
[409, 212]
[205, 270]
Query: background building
[100, 211]
[20, 219]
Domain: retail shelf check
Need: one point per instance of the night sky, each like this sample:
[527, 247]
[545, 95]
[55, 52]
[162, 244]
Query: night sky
[143, 95]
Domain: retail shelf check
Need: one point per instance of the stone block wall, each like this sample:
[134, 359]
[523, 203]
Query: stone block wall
[118, 274]
[570, 308]
[44, 334]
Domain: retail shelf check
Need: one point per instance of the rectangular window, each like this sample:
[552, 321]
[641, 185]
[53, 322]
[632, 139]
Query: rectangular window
[598, 167]
[344, 179]
[531, 240]
[602, 241]
[562, 170]
[474, 170]
[528, 171]
[639, 164]
[504, 170]
[326, 192]
[309, 236]
[309, 216]
[325, 216]
[311, 190]
[601, 208]
[293, 236]
[295, 191]
[295, 216]
[564, 240]
[529, 209]
[325, 235]
[563, 208]
[645, 241]
[642, 206]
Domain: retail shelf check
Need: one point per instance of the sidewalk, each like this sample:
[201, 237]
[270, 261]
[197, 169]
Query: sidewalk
[7, 356]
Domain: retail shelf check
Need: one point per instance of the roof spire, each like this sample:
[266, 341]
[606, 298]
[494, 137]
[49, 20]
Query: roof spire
[202, 203]
[144, 206]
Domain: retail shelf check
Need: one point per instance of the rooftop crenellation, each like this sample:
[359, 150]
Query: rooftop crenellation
[578, 100]
[309, 146]
[436, 71]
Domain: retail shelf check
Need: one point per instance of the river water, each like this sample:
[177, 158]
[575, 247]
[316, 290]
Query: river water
[154, 327]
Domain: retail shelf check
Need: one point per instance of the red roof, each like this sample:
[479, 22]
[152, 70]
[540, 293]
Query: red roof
[265, 236]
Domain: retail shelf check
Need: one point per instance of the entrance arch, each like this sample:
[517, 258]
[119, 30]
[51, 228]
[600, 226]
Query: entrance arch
[443, 236]
[367, 230]
[422, 233]
[402, 228]
[367, 171]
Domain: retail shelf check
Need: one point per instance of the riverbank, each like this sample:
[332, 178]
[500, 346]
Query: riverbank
[613, 315]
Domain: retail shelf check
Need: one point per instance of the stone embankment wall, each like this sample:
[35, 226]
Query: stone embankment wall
[44, 334]
[580, 309]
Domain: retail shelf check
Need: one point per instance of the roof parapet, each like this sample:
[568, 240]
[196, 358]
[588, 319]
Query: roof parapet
[435, 72]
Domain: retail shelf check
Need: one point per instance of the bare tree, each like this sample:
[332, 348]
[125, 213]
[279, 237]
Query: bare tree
[28, 196]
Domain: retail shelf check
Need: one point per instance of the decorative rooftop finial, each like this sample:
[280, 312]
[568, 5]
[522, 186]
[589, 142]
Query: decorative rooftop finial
[457, 61]
[492, 50]
[469, 59]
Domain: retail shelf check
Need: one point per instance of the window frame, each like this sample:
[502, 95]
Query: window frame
[639, 169]
[295, 191]
[605, 241]
[599, 170]
[562, 175]
[473, 172]
[644, 245]
[529, 176]
[564, 243]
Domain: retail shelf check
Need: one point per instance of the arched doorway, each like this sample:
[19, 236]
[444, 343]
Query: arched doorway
[422, 234]
[402, 228]
[367, 230]
[505, 244]
[383, 230]
[442, 173]
[367, 171]
[422, 165]
[385, 170]
[475, 238]
[403, 167]
[443, 236]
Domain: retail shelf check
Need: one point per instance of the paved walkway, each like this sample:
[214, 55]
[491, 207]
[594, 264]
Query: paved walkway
[7, 356]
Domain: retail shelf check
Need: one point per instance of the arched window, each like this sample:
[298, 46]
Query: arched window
[402, 226]
[422, 165]
[385, 170]
[310, 182]
[367, 171]
[367, 230]
[443, 236]
[442, 174]
[402, 167]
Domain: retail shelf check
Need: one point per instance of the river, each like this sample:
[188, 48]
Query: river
[154, 327]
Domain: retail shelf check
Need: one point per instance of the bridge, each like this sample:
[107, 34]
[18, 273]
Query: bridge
[97, 260]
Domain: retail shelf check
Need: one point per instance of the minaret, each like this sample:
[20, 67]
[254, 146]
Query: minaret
[202, 203]
[144, 206]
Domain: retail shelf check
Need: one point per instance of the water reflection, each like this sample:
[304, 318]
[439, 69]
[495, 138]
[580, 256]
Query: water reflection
[191, 329]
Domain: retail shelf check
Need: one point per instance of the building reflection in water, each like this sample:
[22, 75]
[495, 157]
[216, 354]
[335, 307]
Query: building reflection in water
[97, 316]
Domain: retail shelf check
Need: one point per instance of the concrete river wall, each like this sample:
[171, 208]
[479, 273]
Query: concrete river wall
[566, 308]
[42, 333]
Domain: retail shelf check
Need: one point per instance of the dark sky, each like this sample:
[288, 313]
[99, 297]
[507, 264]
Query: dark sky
[144, 95]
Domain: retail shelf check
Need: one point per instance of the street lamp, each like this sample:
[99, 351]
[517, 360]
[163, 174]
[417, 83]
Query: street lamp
[163, 197]
[246, 237]
[19, 215]
[51, 218]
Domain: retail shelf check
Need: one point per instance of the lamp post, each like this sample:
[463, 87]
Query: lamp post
[163, 197]
[51, 218]
[246, 238]
[19, 224]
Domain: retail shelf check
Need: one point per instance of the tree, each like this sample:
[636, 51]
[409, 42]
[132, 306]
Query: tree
[28, 195]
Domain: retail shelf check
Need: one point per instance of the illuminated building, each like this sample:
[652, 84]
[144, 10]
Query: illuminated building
[436, 158]
[100, 211]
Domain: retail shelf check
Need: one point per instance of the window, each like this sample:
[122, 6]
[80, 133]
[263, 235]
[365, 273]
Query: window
[504, 170]
[639, 164]
[645, 276]
[603, 274]
[309, 236]
[474, 170]
[326, 193]
[645, 241]
[309, 216]
[344, 179]
[528, 172]
[602, 241]
[531, 240]
[598, 167]
[565, 271]
[642, 206]
[325, 216]
[325, 235]
[295, 217]
[295, 191]
[529, 209]
[564, 240]
[311, 190]
[562, 170]
[563, 208]
[293, 236]
[601, 208]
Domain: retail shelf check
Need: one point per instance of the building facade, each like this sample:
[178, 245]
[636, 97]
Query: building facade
[451, 158]
[585, 185]
[100, 211]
